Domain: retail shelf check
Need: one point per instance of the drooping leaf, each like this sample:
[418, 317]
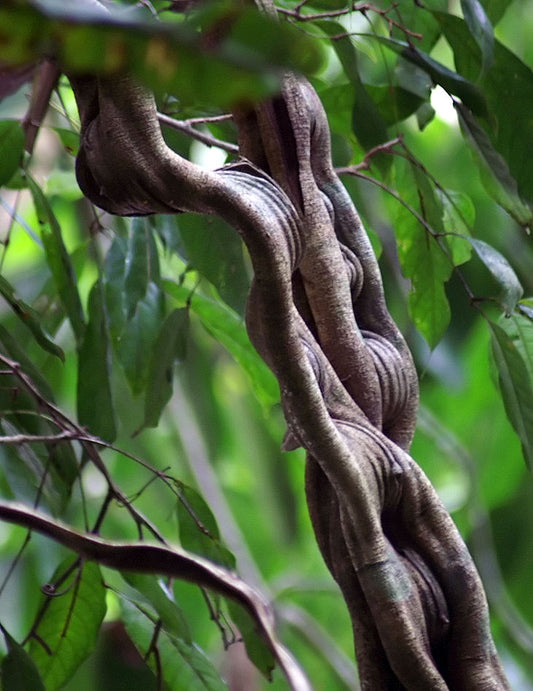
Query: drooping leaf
[29, 317]
[256, 649]
[481, 29]
[198, 529]
[519, 327]
[138, 337]
[215, 250]
[422, 259]
[508, 88]
[181, 664]
[70, 624]
[141, 264]
[502, 271]
[19, 671]
[229, 330]
[161, 598]
[169, 348]
[452, 82]
[494, 171]
[94, 397]
[516, 388]
[58, 260]
[114, 275]
[11, 149]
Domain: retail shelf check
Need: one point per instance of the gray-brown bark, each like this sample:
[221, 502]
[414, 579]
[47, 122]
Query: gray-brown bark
[317, 315]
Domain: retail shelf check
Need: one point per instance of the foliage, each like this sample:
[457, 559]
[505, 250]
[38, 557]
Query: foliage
[129, 325]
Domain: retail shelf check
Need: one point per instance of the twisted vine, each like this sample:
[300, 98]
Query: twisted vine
[317, 315]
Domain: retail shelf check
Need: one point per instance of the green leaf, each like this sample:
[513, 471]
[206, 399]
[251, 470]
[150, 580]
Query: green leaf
[228, 329]
[142, 264]
[95, 402]
[11, 149]
[70, 624]
[494, 171]
[29, 317]
[519, 327]
[69, 139]
[198, 528]
[481, 29]
[508, 88]
[58, 260]
[114, 274]
[215, 250]
[502, 271]
[162, 600]
[256, 649]
[169, 348]
[422, 259]
[367, 123]
[182, 665]
[516, 388]
[137, 339]
[19, 671]
[458, 217]
[469, 93]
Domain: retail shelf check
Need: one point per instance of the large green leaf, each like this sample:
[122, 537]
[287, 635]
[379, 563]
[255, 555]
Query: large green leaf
[494, 171]
[422, 259]
[70, 624]
[452, 82]
[516, 387]
[508, 88]
[169, 348]
[182, 665]
[215, 250]
[11, 149]
[19, 671]
[138, 338]
[141, 264]
[481, 29]
[95, 402]
[229, 330]
[58, 260]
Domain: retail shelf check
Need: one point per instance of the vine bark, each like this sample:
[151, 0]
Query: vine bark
[317, 315]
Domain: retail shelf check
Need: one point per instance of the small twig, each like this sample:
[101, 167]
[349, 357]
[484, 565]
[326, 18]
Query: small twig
[386, 148]
[207, 139]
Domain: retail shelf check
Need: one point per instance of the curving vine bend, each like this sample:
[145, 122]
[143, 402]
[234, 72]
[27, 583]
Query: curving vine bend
[316, 314]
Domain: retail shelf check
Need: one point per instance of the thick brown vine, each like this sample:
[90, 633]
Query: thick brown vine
[317, 315]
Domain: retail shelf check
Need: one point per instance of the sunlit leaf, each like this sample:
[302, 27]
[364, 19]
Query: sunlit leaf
[11, 149]
[29, 317]
[516, 387]
[502, 271]
[70, 624]
[59, 260]
[95, 401]
[229, 330]
[19, 671]
[215, 250]
[169, 348]
[182, 665]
